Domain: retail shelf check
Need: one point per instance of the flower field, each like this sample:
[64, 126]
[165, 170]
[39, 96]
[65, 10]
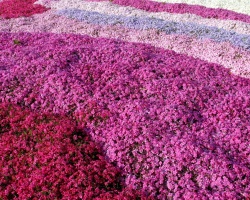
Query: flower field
[125, 99]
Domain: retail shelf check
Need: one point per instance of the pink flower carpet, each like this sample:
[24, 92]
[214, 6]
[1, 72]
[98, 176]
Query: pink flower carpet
[124, 100]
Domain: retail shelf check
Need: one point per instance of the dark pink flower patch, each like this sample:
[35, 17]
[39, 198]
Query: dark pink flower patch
[48, 157]
[20, 8]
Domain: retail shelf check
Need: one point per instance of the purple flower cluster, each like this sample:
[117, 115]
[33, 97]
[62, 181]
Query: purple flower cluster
[177, 127]
[168, 27]
[48, 157]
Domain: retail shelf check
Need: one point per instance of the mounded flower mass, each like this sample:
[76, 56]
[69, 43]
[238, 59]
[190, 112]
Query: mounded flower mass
[176, 126]
[96, 102]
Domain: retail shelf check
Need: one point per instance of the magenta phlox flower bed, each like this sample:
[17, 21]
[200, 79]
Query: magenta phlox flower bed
[89, 113]
[46, 156]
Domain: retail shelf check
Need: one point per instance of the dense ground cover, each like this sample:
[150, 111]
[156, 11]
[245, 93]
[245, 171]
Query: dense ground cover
[159, 124]
[171, 7]
[18, 8]
[90, 117]
[48, 157]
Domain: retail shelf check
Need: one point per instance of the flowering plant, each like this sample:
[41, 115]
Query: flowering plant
[123, 100]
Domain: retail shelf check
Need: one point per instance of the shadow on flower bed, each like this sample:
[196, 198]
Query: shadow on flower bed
[47, 157]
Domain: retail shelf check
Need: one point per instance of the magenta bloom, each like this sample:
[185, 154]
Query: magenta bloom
[20, 8]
